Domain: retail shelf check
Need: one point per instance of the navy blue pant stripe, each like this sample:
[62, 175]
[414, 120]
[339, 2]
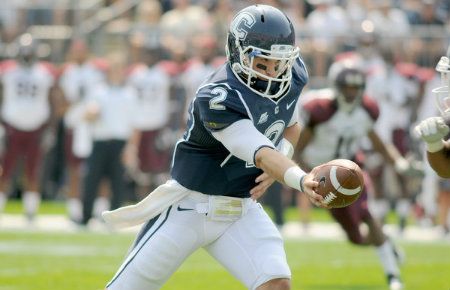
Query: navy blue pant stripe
[144, 230]
[143, 244]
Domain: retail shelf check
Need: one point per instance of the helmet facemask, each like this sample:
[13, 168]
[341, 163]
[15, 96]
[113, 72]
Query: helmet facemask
[349, 97]
[262, 84]
[442, 93]
[350, 85]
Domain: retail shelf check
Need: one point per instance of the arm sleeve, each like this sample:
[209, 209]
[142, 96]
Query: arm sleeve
[243, 140]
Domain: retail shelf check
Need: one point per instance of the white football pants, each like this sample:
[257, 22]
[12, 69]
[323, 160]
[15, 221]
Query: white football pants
[250, 248]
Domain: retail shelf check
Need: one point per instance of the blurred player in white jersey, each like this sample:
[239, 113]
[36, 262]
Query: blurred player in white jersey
[152, 84]
[335, 121]
[26, 110]
[78, 77]
[394, 92]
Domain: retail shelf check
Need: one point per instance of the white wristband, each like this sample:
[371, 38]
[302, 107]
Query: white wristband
[435, 146]
[293, 177]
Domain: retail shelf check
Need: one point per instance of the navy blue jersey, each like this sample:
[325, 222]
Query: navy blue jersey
[202, 163]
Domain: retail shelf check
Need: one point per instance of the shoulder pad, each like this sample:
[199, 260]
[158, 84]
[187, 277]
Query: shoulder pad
[319, 110]
[7, 65]
[50, 68]
[219, 106]
[371, 106]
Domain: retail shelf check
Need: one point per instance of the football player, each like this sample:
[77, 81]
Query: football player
[152, 83]
[434, 130]
[236, 120]
[335, 122]
[28, 102]
[79, 76]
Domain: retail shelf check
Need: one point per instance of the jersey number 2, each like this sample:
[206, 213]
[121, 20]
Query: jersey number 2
[221, 95]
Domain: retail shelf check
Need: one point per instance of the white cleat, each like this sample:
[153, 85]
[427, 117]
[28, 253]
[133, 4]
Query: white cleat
[395, 284]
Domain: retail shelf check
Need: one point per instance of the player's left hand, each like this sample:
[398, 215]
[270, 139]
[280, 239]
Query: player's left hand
[264, 181]
[432, 130]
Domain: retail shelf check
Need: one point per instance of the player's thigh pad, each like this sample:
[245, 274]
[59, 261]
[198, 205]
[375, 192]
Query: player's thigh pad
[159, 250]
[252, 249]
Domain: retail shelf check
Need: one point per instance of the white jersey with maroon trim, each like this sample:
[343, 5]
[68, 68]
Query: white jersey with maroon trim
[153, 87]
[76, 81]
[26, 91]
[336, 133]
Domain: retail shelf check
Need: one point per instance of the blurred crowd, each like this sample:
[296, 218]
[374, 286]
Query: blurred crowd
[95, 93]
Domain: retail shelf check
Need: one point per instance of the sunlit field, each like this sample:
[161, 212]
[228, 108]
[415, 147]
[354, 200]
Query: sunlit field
[83, 260]
[44, 261]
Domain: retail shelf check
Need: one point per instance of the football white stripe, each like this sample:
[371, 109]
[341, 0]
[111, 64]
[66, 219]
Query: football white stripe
[337, 185]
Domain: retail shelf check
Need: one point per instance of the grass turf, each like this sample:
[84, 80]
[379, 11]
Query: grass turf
[73, 261]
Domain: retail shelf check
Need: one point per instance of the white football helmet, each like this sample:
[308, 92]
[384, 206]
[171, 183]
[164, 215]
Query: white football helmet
[442, 93]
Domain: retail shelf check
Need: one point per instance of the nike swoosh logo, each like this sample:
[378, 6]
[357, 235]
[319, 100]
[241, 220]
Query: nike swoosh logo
[322, 180]
[183, 209]
[290, 105]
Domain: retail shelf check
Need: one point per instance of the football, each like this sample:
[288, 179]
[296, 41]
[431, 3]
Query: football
[340, 182]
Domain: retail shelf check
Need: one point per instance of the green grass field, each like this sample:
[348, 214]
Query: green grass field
[47, 261]
[86, 260]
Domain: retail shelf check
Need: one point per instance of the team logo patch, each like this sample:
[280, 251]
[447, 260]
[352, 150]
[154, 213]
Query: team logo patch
[264, 117]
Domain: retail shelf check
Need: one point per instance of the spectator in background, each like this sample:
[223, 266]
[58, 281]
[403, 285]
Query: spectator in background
[111, 110]
[357, 11]
[327, 24]
[29, 100]
[79, 76]
[203, 63]
[11, 20]
[221, 13]
[429, 36]
[152, 84]
[392, 25]
[426, 14]
[145, 31]
[182, 23]
[39, 12]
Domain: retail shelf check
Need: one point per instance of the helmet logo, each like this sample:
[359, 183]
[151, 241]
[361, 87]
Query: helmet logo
[241, 24]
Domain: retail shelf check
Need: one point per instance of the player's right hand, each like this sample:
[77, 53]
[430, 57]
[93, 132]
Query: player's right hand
[432, 130]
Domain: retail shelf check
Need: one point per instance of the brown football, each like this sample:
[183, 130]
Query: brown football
[340, 182]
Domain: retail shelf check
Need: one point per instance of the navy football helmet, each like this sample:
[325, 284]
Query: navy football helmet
[266, 32]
